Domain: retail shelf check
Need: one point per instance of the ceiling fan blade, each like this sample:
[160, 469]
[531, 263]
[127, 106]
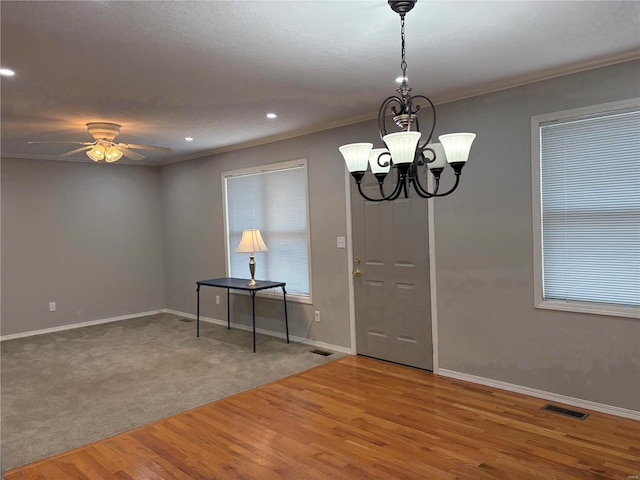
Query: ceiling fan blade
[130, 154]
[144, 147]
[73, 143]
[77, 150]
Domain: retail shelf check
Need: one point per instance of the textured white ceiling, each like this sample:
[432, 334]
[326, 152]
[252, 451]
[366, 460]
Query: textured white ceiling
[212, 70]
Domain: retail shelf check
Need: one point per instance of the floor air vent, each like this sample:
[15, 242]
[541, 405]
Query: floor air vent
[186, 320]
[324, 353]
[565, 411]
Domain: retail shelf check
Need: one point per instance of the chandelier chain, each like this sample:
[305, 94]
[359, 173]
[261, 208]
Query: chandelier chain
[403, 64]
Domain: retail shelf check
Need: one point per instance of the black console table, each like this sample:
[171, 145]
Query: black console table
[242, 284]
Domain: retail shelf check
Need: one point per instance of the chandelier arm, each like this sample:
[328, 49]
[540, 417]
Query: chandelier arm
[421, 190]
[422, 194]
[436, 186]
[455, 185]
[400, 186]
[382, 113]
[385, 164]
[423, 145]
[425, 160]
[383, 198]
[401, 180]
[358, 176]
[405, 175]
[406, 189]
[366, 197]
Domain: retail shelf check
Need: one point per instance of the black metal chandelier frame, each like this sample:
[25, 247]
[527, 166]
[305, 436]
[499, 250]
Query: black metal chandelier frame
[404, 109]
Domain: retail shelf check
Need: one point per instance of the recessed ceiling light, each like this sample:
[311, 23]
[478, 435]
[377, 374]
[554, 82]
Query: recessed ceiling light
[7, 72]
[188, 139]
[401, 79]
[271, 115]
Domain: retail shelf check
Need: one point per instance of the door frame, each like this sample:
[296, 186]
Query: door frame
[432, 269]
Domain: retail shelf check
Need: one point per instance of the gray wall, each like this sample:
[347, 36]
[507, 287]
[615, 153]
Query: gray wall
[86, 236]
[194, 234]
[488, 325]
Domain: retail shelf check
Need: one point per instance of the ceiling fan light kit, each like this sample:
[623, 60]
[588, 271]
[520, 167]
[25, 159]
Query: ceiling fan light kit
[105, 134]
[104, 148]
[404, 153]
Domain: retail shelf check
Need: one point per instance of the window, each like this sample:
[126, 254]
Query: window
[586, 174]
[273, 199]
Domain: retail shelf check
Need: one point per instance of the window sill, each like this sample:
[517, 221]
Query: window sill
[591, 308]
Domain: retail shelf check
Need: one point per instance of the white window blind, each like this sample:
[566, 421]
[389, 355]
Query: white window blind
[590, 208]
[273, 200]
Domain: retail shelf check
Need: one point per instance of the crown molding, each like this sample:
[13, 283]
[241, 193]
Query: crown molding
[19, 156]
[539, 76]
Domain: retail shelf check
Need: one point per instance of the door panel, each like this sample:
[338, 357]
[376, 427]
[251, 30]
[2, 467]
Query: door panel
[392, 294]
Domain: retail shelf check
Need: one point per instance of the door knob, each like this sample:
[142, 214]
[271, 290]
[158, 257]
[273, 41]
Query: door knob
[356, 273]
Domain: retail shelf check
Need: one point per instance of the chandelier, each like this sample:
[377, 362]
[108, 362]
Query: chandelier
[404, 153]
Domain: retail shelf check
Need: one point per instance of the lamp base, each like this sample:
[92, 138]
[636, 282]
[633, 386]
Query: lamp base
[252, 269]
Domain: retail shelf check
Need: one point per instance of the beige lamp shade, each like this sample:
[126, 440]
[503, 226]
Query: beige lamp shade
[251, 242]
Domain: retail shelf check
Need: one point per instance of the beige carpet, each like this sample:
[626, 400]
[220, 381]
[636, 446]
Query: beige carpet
[63, 390]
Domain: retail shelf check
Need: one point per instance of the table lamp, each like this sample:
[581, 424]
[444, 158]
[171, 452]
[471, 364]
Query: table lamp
[251, 242]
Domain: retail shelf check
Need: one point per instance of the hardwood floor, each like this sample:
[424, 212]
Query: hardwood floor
[358, 418]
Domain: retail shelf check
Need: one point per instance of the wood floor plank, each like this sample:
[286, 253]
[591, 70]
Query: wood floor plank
[358, 418]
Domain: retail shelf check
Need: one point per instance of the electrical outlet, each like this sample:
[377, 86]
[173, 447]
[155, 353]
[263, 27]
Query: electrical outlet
[317, 316]
[217, 299]
[341, 242]
[52, 306]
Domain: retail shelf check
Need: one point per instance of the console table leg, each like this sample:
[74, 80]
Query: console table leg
[253, 316]
[198, 314]
[228, 312]
[286, 320]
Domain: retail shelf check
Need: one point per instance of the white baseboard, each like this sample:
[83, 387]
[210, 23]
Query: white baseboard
[71, 326]
[576, 402]
[239, 326]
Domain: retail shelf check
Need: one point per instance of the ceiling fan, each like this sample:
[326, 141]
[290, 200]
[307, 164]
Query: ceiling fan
[104, 147]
